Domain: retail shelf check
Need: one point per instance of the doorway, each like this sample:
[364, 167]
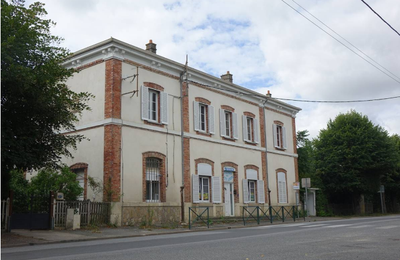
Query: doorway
[229, 199]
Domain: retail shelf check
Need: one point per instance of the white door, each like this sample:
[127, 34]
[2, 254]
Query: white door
[228, 189]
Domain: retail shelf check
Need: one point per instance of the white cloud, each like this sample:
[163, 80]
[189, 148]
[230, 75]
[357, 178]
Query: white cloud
[265, 44]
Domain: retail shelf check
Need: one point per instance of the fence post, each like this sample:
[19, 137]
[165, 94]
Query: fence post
[294, 217]
[283, 214]
[270, 214]
[258, 215]
[208, 218]
[51, 213]
[190, 223]
[89, 209]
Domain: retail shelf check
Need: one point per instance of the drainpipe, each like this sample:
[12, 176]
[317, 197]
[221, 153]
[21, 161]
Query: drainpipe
[266, 153]
[182, 144]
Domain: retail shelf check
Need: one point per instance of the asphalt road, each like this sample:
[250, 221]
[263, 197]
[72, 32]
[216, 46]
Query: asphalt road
[360, 238]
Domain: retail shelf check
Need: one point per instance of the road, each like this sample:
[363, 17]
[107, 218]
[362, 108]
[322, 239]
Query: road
[357, 238]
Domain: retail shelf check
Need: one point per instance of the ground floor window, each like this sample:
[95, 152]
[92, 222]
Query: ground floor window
[204, 188]
[153, 179]
[252, 191]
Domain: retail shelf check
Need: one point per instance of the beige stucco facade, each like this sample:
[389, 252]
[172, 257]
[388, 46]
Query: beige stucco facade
[124, 133]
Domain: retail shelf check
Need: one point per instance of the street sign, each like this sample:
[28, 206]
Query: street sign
[296, 185]
[306, 182]
[381, 189]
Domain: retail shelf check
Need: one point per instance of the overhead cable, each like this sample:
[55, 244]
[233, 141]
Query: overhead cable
[387, 74]
[380, 17]
[394, 75]
[338, 101]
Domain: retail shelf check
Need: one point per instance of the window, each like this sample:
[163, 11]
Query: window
[250, 129]
[154, 105]
[253, 189]
[279, 132]
[204, 188]
[203, 117]
[80, 177]
[228, 124]
[153, 179]
[282, 193]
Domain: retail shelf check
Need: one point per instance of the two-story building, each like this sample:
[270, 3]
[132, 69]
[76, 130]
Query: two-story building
[163, 137]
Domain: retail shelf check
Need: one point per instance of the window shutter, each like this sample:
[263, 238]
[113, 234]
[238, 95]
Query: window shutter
[222, 128]
[145, 103]
[196, 115]
[164, 108]
[284, 137]
[211, 123]
[282, 187]
[195, 188]
[216, 189]
[256, 131]
[245, 191]
[234, 126]
[260, 191]
[275, 133]
[244, 119]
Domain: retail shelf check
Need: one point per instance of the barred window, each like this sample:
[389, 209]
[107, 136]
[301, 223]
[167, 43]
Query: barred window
[153, 166]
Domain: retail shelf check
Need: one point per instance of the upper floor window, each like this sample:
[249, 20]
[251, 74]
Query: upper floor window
[203, 116]
[250, 129]
[154, 105]
[228, 124]
[279, 132]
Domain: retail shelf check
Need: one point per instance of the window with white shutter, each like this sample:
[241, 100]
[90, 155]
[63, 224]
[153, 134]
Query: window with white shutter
[203, 117]
[195, 188]
[282, 188]
[228, 124]
[245, 191]
[260, 191]
[250, 129]
[216, 189]
[279, 133]
[154, 105]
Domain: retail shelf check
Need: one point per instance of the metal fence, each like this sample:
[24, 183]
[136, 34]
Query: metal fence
[5, 206]
[199, 214]
[91, 212]
[271, 214]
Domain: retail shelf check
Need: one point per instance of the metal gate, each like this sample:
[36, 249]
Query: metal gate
[31, 211]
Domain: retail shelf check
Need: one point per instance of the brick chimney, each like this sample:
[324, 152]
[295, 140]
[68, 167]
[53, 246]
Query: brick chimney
[268, 94]
[151, 47]
[227, 77]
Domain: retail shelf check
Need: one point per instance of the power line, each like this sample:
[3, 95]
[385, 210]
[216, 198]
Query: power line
[380, 17]
[338, 101]
[398, 81]
[346, 40]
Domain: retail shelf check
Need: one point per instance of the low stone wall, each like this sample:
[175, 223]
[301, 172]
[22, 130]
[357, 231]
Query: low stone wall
[146, 215]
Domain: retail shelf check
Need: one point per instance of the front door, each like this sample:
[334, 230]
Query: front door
[228, 188]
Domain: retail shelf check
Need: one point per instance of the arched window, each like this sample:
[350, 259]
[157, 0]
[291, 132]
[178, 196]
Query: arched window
[153, 166]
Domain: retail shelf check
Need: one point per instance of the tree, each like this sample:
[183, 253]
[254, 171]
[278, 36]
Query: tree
[63, 181]
[305, 151]
[352, 154]
[36, 103]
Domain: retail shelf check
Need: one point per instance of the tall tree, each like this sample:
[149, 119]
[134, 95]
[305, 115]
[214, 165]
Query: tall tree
[36, 104]
[305, 151]
[351, 156]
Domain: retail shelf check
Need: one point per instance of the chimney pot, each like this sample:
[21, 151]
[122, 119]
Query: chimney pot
[227, 77]
[151, 47]
[268, 94]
